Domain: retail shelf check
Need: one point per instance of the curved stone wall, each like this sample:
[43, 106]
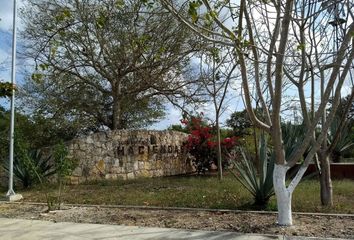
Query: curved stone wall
[129, 154]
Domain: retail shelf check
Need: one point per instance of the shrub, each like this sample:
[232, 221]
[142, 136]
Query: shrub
[28, 163]
[202, 144]
[258, 183]
[64, 166]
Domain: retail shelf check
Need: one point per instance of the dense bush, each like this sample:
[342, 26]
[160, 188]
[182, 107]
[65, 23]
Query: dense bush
[202, 144]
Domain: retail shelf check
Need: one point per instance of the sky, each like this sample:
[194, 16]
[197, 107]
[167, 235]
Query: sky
[5, 43]
[6, 26]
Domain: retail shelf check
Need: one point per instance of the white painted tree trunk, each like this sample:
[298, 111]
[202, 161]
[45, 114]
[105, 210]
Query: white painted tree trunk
[283, 195]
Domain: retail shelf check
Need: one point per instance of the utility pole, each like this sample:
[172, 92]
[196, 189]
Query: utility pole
[11, 195]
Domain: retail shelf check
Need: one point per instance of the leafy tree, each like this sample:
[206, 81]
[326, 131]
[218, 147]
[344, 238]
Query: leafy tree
[240, 123]
[104, 63]
[178, 128]
[35, 131]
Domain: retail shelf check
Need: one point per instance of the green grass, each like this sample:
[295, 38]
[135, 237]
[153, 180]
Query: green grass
[195, 192]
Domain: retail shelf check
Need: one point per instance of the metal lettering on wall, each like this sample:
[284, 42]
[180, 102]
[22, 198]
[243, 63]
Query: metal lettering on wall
[139, 146]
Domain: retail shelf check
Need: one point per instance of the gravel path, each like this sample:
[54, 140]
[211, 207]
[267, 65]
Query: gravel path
[244, 222]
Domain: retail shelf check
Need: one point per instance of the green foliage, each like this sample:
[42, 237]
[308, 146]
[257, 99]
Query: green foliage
[301, 47]
[37, 77]
[258, 183]
[193, 10]
[6, 89]
[36, 131]
[101, 20]
[28, 164]
[31, 133]
[292, 137]
[344, 147]
[178, 128]
[63, 14]
[345, 142]
[240, 123]
[64, 165]
[119, 4]
[148, 4]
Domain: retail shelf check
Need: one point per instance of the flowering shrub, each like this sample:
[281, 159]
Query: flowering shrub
[202, 144]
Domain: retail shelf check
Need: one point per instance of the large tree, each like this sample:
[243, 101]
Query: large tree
[104, 63]
[291, 41]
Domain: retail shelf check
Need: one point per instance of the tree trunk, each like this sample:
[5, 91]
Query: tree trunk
[219, 157]
[325, 180]
[116, 115]
[283, 196]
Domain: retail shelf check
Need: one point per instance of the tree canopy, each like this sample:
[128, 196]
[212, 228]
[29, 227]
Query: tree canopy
[104, 63]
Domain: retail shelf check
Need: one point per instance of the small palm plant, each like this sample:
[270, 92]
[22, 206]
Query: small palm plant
[259, 182]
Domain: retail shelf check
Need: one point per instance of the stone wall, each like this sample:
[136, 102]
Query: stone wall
[129, 154]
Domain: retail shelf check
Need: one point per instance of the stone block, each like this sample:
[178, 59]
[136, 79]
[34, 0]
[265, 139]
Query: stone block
[89, 140]
[141, 165]
[135, 166]
[158, 173]
[111, 176]
[74, 180]
[14, 197]
[77, 171]
[129, 167]
[148, 166]
[144, 173]
[130, 175]
[160, 165]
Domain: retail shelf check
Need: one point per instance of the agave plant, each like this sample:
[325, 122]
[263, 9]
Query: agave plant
[342, 143]
[292, 136]
[28, 164]
[258, 182]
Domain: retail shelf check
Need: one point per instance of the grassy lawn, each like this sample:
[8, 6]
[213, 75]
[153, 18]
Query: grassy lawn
[196, 192]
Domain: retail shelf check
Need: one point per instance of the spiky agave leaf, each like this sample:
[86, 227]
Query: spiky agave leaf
[260, 185]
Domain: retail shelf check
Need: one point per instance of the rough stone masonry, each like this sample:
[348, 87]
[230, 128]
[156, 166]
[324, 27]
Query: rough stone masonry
[129, 154]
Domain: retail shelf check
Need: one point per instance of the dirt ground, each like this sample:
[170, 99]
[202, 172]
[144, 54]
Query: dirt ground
[243, 222]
